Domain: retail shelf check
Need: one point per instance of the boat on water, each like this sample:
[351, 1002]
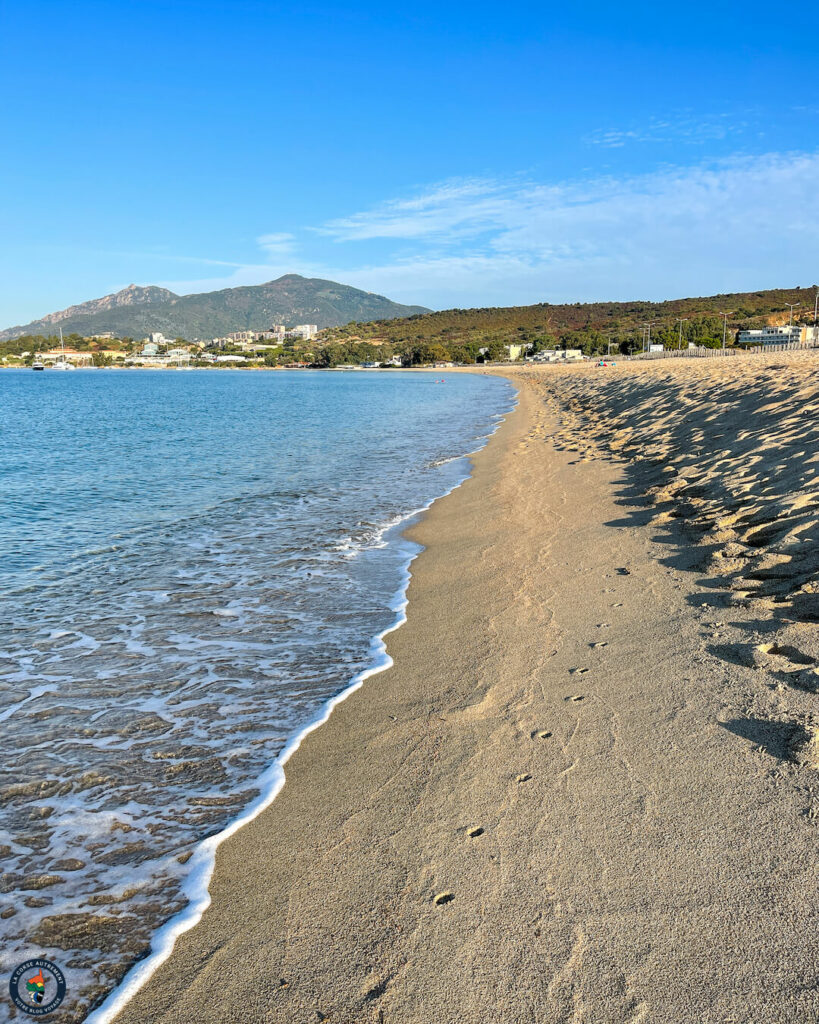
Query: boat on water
[37, 365]
[63, 364]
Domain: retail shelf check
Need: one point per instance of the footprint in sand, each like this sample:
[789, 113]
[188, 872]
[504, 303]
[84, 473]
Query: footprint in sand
[599, 643]
[473, 833]
[443, 898]
[785, 657]
[578, 671]
[523, 777]
[541, 734]
[576, 697]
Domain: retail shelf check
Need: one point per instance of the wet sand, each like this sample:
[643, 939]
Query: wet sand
[585, 790]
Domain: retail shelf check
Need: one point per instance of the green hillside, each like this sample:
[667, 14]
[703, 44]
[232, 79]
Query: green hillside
[458, 333]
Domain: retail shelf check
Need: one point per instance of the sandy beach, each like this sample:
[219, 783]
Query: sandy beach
[585, 791]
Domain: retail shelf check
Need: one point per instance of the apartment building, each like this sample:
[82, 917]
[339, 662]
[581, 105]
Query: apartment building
[787, 335]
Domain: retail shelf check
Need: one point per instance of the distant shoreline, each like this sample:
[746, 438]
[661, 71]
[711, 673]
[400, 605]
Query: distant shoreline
[477, 368]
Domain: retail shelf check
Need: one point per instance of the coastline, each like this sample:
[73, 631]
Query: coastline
[538, 812]
[196, 887]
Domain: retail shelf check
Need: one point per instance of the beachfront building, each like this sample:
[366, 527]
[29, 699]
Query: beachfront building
[151, 348]
[55, 355]
[787, 335]
[515, 351]
[178, 356]
[557, 355]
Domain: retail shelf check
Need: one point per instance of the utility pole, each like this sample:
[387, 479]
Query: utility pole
[792, 305]
[725, 324]
[681, 320]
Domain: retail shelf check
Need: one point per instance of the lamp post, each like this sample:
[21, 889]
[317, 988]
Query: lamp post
[681, 320]
[792, 307]
[725, 324]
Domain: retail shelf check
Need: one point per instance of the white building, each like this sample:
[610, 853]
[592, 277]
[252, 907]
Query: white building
[557, 355]
[151, 348]
[517, 349]
[157, 338]
[178, 356]
[793, 335]
[304, 331]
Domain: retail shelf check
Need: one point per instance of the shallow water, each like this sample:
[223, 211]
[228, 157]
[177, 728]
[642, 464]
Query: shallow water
[192, 564]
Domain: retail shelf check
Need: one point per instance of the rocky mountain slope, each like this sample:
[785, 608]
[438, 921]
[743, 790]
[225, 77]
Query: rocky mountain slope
[291, 299]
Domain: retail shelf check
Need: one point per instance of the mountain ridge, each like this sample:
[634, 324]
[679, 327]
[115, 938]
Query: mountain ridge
[139, 310]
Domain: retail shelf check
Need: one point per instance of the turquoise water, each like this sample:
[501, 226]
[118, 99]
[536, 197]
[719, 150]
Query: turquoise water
[193, 563]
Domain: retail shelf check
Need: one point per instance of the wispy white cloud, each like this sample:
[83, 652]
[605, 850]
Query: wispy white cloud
[740, 223]
[279, 243]
[684, 128]
[457, 208]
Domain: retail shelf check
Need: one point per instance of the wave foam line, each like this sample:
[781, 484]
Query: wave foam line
[33, 694]
[196, 887]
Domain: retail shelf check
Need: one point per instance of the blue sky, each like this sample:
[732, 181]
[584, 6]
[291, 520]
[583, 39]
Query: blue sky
[446, 154]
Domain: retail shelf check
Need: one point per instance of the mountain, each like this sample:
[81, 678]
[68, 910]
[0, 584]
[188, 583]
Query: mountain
[292, 299]
[131, 296]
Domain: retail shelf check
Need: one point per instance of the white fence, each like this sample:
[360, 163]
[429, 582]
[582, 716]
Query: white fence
[700, 352]
[785, 346]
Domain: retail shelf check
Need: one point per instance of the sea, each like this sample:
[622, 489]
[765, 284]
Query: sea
[195, 565]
